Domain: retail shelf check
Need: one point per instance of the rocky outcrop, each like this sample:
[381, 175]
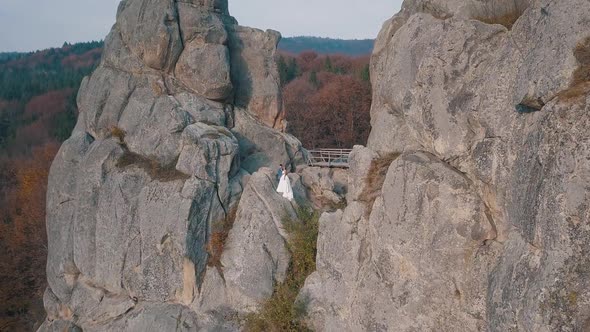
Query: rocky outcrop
[159, 154]
[255, 257]
[255, 73]
[262, 146]
[481, 222]
[326, 187]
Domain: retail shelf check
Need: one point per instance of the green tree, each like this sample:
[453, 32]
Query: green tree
[283, 69]
[328, 66]
[287, 71]
[64, 122]
[313, 79]
[366, 74]
[293, 70]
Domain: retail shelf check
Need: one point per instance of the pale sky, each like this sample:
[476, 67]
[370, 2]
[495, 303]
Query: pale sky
[28, 25]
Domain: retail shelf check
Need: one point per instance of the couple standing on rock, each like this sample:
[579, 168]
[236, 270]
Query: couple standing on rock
[284, 183]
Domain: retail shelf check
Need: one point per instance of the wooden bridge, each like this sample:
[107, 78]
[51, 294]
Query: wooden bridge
[337, 158]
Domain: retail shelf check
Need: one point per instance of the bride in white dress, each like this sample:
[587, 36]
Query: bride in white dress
[285, 186]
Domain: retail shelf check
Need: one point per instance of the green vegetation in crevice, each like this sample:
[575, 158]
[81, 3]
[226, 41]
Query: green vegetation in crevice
[288, 69]
[282, 312]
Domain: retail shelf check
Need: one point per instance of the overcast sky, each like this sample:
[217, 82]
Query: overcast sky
[28, 25]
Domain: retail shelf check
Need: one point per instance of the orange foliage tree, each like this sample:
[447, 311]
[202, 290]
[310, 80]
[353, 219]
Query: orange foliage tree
[328, 104]
[23, 237]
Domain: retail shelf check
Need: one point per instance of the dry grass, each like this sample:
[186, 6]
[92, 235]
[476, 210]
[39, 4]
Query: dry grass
[219, 233]
[435, 10]
[582, 54]
[376, 178]
[580, 84]
[150, 165]
[326, 205]
[281, 312]
[119, 134]
[155, 170]
[505, 13]
[506, 20]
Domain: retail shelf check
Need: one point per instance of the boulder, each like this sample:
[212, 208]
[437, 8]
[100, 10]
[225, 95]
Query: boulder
[261, 146]
[205, 69]
[327, 186]
[155, 317]
[103, 97]
[254, 73]
[256, 257]
[202, 23]
[360, 161]
[58, 326]
[151, 31]
[153, 125]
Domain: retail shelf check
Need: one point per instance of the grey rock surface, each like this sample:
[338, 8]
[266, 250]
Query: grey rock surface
[59, 326]
[326, 187]
[480, 223]
[204, 68]
[254, 73]
[262, 146]
[360, 161]
[156, 317]
[151, 31]
[154, 161]
[255, 257]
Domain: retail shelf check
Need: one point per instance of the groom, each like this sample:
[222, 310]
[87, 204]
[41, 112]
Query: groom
[280, 173]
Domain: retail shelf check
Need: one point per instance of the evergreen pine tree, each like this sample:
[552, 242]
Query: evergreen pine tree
[293, 70]
[313, 79]
[283, 70]
[366, 74]
[328, 65]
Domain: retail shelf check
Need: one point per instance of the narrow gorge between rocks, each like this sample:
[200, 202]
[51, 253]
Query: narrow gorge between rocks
[467, 210]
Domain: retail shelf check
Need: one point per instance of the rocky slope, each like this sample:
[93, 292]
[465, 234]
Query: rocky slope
[172, 124]
[480, 221]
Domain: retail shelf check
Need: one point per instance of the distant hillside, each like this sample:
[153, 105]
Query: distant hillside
[319, 45]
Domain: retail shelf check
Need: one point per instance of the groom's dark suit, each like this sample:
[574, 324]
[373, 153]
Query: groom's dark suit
[279, 174]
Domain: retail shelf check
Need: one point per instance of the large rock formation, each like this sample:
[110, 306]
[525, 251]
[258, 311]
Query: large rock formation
[182, 99]
[482, 218]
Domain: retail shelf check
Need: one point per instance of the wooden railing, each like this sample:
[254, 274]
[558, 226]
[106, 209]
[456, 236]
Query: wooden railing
[329, 158]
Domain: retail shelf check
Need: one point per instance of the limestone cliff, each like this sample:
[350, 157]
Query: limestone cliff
[172, 124]
[481, 220]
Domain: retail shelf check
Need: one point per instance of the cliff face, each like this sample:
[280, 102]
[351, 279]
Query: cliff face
[482, 219]
[172, 123]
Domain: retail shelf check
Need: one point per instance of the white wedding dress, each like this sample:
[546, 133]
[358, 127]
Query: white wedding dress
[285, 187]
